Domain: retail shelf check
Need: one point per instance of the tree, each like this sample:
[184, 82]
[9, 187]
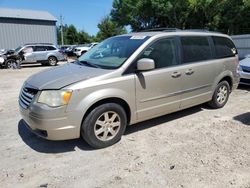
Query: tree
[228, 16]
[71, 35]
[109, 28]
[83, 37]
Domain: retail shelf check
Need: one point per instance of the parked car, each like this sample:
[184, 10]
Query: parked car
[10, 59]
[79, 50]
[70, 51]
[245, 71]
[128, 79]
[64, 48]
[46, 54]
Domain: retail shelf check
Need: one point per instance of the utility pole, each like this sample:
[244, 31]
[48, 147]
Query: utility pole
[61, 22]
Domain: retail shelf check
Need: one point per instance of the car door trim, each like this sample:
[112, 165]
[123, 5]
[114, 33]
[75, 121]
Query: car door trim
[175, 93]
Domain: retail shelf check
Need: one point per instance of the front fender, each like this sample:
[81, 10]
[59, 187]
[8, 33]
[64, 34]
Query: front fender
[79, 104]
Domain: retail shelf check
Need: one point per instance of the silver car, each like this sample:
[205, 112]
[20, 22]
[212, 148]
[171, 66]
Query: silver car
[245, 71]
[46, 54]
[128, 79]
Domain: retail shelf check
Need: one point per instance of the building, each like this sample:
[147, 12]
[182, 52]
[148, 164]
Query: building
[18, 27]
[242, 43]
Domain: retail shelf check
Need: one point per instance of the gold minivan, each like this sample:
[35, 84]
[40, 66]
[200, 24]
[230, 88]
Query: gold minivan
[127, 79]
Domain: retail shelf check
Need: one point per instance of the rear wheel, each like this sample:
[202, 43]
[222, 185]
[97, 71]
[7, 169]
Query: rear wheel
[104, 125]
[52, 61]
[221, 95]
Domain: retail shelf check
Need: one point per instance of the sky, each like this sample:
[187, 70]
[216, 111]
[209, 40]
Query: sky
[84, 14]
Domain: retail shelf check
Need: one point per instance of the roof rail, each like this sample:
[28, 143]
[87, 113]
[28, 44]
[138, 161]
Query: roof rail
[200, 30]
[39, 43]
[164, 29]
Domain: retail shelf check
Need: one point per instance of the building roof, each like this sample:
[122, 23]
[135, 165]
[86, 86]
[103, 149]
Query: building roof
[26, 14]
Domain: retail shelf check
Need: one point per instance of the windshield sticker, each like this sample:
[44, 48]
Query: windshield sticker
[138, 37]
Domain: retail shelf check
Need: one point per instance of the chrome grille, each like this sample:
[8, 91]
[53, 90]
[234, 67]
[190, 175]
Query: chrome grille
[26, 96]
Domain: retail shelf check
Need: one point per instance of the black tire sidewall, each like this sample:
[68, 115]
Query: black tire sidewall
[8, 61]
[50, 62]
[215, 103]
[87, 128]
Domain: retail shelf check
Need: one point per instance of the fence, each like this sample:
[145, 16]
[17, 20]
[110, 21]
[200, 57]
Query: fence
[242, 43]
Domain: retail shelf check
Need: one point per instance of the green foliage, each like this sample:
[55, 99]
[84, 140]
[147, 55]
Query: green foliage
[228, 16]
[72, 36]
[108, 28]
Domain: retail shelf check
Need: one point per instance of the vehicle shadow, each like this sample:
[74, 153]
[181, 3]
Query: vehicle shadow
[243, 118]
[164, 119]
[244, 87]
[46, 146]
[31, 66]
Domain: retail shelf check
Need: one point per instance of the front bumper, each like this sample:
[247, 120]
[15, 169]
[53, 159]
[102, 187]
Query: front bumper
[244, 78]
[51, 124]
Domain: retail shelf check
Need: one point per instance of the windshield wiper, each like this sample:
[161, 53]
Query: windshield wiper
[89, 64]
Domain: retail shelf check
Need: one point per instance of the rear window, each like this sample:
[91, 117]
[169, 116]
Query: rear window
[195, 49]
[224, 47]
[40, 48]
[50, 48]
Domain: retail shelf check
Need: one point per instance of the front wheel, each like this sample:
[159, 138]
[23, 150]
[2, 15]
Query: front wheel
[11, 64]
[104, 125]
[52, 61]
[221, 95]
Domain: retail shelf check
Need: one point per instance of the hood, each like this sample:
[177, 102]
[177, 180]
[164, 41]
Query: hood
[3, 52]
[7, 52]
[83, 48]
[245, 62]
[64, 75]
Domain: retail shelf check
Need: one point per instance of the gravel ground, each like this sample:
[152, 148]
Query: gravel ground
[197, 147]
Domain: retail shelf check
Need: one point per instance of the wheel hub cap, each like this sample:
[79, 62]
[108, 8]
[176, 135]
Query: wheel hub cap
[107, 126]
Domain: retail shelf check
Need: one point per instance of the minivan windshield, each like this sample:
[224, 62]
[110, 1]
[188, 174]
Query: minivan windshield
[112, 52]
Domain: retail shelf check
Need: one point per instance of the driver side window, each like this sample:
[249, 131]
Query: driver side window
[163, 52]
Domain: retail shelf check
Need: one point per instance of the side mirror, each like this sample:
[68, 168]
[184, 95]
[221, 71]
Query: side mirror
[145, 64]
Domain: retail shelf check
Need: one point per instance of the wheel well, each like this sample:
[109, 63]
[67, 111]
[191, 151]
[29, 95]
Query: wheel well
[119, 101]
[229, 80]
[52, 56]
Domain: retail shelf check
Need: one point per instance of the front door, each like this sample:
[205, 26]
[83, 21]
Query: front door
[158, 90]
[28, 54]
[40, 53]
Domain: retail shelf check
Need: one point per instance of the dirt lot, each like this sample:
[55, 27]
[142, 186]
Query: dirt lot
[198, 147]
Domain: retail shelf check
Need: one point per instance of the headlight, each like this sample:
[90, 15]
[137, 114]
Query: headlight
[55, 98]
[1, 60]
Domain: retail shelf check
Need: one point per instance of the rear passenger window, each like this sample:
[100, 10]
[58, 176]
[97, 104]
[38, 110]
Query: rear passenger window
[163, 52]
[40, 48]
[224, 47]
[51, 48]
[195, 49]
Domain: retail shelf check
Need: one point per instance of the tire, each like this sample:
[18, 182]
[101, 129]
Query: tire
[220, 96]
[52, 61]
[104, 125]
[11, 64]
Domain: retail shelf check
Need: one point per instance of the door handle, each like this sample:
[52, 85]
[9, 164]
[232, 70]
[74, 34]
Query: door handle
[176, 74]
[189, 72]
